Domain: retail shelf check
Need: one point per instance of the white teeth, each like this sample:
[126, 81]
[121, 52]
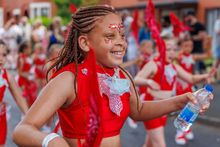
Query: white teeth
[117, 53]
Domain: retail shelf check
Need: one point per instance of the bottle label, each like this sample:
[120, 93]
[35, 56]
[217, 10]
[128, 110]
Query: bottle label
[188, 115]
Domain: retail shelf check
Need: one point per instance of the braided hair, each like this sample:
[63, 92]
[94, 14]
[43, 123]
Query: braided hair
[83, 21]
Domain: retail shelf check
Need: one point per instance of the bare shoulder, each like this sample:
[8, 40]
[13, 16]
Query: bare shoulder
[60, 88]
[64, 79]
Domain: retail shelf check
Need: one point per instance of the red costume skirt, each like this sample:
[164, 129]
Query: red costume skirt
[155, 123]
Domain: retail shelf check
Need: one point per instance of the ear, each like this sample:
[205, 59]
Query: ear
[84, 43]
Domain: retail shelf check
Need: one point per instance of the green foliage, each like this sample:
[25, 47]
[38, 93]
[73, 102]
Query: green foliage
[64, 11]
[89, 2]
[46, 21]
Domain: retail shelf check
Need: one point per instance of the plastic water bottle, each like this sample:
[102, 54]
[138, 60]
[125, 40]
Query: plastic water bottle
[190, 112]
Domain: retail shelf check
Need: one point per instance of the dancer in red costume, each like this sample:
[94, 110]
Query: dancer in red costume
[145, 55]
[146, 51]
[26, 73]
[93, 96]
[39, 57]
[153, 71]
[186, 60]
[7, 81]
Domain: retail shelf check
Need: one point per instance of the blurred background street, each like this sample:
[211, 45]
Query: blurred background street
[42, 26]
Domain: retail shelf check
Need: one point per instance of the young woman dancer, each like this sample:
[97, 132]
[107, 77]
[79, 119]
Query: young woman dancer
[98, 30]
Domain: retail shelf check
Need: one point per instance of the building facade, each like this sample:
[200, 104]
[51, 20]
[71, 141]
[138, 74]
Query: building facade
[30, 8]
[207, 10]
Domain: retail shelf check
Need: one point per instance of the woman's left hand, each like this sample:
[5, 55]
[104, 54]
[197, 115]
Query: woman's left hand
[193, 99]
[205, 107]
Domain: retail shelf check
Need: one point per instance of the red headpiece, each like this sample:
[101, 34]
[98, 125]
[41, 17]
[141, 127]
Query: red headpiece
[152, 24]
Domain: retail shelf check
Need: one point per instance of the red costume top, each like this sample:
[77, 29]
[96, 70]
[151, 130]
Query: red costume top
[27, 64]
[186, 61]
[167, 81]
[39, 62]
[74, 119]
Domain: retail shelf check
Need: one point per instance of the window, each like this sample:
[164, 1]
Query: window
[40, 9]
[211, 17]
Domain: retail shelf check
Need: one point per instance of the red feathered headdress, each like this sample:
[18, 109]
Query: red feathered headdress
[72, 8]
[134, 26]
[153, 26]
[178, 26]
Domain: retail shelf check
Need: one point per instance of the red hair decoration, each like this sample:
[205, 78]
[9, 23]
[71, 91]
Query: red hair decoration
[134, 26]
[153, 26]
[178, 26]
[72, 8]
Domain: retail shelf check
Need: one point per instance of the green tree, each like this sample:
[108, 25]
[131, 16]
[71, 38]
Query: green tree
[89, 2]
[63, 9]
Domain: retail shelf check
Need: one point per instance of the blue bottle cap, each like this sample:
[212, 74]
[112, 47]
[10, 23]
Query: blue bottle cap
[208, 88]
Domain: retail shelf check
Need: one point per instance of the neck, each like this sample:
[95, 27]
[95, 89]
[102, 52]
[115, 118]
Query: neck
[106, 70]
[103, 66]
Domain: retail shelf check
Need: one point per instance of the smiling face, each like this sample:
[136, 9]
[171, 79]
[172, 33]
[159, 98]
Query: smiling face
[108, 40]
